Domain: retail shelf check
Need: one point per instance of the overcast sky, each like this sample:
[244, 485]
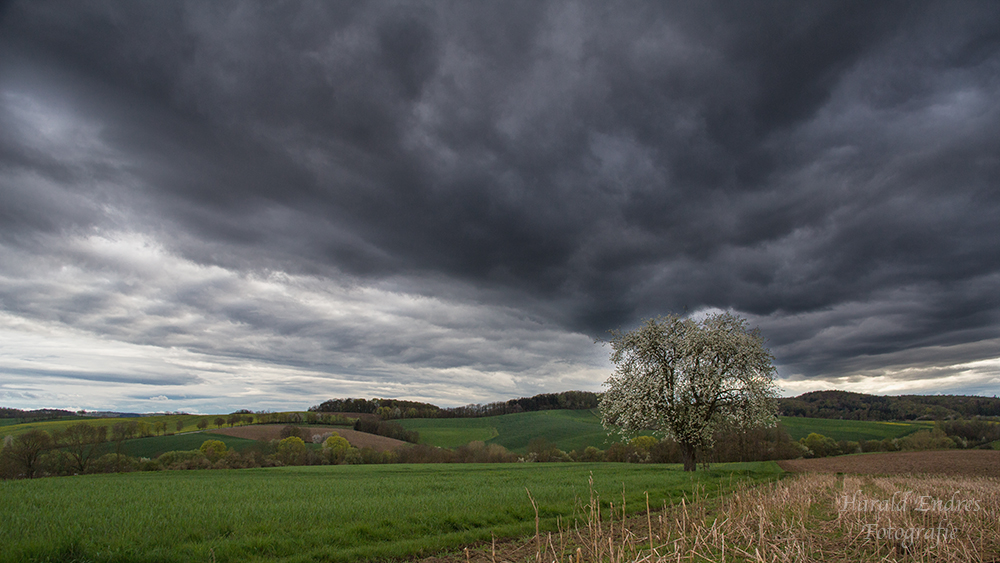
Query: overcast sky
[207, 206]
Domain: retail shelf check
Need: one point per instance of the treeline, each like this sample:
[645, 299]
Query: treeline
[35, 415]
[387, 429]
[859, 406]
[569, 400]
[383, 408]
[83, 449]
[388, 409]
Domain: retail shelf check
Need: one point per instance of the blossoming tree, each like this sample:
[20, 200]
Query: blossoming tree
[685, 378]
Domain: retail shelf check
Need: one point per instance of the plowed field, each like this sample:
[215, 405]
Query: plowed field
[971, 463]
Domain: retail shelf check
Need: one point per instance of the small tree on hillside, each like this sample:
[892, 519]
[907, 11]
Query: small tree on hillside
[335, 447]
[25, 449]
[119, 433]
[685, 378]
[291, 451]
[213, 449]
[82, 440]
[202, 423]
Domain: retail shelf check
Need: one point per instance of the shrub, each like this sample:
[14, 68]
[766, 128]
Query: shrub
[353, 457]
[291, 451]
[200, 462]
[478, 452]
[927, 440]
[213, 450]
[820, 445]
[590, 453]
[643, 443]
[114, 463]
[183, 459]
[619, 452]
[57, 462]
[871, 446]
[848, 447]
[146, 464]
[335, 447]
[540, 449]
[290, 431]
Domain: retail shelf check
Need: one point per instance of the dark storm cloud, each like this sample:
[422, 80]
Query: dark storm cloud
[829, 169]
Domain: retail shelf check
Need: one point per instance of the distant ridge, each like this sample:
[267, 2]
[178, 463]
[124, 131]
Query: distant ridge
[395, 408]
[859, 406]
[843, 405]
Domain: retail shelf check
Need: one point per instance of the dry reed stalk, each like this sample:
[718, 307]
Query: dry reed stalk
[538, 553]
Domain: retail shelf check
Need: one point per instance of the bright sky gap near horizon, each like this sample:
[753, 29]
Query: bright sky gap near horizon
[207, 206]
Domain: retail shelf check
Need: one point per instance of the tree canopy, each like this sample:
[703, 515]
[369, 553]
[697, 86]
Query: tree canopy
[685, 378]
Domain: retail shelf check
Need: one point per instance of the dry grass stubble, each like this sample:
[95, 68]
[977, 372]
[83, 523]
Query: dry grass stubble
[810, 517]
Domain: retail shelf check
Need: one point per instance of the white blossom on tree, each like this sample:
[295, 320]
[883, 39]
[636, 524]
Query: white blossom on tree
[685, 378]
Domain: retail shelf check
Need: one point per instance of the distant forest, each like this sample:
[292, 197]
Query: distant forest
[817, 404]
[395, 408]
[858, 406]
[36, 415]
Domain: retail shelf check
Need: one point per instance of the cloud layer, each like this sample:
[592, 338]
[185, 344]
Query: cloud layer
[264, 205]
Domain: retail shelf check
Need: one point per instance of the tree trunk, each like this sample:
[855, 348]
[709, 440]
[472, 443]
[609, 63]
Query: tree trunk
[687, 454]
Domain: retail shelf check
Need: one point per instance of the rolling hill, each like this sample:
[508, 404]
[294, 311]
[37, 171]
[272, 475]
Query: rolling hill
[577, 429]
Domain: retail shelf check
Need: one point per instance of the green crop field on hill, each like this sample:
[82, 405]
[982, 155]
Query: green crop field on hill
[568, 429]
[577, 429]
[321, 513]
[155, 446]
[853, 430]
[190, 422]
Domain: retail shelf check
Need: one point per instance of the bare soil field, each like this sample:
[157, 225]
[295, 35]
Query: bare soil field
[969, 463]
[273, 432]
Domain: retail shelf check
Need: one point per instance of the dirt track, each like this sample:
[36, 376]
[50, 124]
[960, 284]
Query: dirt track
[972, 463]
[273, 432]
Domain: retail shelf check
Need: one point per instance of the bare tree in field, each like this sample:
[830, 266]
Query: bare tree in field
[120, 431]
[83, 441]
[685, 378]
[26, 448]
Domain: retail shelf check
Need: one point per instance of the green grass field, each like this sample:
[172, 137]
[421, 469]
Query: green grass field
[571, 430]
[568, 429]
[157, 445]
[190, 423]
[324, 513]
[853, 430]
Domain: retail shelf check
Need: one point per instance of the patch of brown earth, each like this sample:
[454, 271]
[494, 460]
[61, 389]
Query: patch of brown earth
[971, 463]
[273, 432]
